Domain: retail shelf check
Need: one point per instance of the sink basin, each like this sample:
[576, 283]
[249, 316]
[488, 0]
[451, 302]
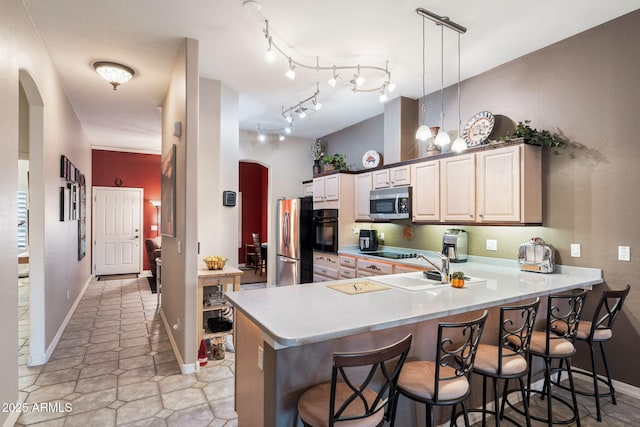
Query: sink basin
[416, 281]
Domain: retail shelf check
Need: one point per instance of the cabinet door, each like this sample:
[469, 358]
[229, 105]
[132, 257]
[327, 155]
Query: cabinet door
[425, 203]
[400, 175]
[363, 188]
[498, 184]
[307, 189]
[458, 188]
[331, 187]
[381, 179]
[318, 189]
[405, 268]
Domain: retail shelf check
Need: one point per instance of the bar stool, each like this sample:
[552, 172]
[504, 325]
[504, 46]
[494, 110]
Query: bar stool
[598, 330]
[447, 380]
[508, 359]
[556, 343]
[352, 399]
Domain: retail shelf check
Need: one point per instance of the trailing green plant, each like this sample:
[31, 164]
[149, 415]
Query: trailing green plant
[337, 160]
[533, 136]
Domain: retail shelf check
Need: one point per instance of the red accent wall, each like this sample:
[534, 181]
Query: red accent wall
[134, 170]
[254, 181]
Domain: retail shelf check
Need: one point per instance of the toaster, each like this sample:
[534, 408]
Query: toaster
[536, 255]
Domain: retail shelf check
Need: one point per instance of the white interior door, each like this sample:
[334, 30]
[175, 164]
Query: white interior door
[117, 226]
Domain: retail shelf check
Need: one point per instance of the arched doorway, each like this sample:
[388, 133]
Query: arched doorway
[31, 136]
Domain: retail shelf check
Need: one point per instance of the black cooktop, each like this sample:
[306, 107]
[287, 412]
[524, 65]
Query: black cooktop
[392, 255]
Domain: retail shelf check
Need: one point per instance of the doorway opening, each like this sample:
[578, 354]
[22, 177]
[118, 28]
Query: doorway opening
[254, 190]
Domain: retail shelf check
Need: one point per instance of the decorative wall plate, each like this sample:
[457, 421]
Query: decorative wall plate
[478, 128]
[371, 159]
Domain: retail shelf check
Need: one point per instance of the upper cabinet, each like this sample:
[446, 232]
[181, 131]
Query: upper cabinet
[335, 191]
[509, 184]
[393, 177]
[307, 189]
[326, 188]
[458, 188]
[425, 197]
[363, 188]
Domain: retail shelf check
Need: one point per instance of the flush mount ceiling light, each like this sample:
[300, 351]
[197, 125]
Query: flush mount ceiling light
[116, 74]
[252, 6]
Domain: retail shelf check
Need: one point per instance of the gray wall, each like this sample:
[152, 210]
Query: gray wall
[356, 140]
[584, 88]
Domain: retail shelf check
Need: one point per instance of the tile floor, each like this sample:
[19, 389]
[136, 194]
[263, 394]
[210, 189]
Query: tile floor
[114, 367]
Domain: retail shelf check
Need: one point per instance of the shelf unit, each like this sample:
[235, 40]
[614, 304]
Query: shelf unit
[230, 278]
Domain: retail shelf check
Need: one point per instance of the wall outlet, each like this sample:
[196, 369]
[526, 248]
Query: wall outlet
[356, 230]
[381, 237]
[260, 357]
[575, 250]
[154, 228]
[492, 245]
[624, 253]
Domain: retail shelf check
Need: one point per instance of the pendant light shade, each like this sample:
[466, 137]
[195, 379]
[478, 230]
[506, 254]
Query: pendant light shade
[423, 133]
[442, 138]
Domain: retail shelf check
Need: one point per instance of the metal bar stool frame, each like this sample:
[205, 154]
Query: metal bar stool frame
[508, 360]
[371, 395]
[454, 361]
[556, 342]
[599, 330]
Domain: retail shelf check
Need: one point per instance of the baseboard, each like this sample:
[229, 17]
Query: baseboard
[11, 420]
[185, 368]
[36, 361]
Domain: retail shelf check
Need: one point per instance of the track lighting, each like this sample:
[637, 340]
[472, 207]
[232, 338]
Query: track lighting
[333, 80]
[391, 87]
[270, 55]
[424, 132]
[383, 97]
[358, 79]
[287, 130]
[262, 137]
[291, 72]
[316, 104]
[281, 137]
[459, 144]
[272, 134]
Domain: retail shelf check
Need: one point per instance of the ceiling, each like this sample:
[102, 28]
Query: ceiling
[147, 35]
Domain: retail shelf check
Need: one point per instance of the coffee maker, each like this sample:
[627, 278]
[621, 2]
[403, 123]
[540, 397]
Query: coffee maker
[368, 240]
[454, 245]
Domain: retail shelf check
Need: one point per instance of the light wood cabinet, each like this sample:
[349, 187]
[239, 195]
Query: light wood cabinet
[307, 189]
[458, 188]
[326, 188]
[368, 267]
[501, 177]
[425, 197]
[347, 267]
[362, 190]
[405, 268]
[326, 267]
[392, 177]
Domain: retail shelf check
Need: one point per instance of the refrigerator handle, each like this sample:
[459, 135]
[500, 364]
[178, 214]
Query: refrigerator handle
[285, 231]
[287, 260]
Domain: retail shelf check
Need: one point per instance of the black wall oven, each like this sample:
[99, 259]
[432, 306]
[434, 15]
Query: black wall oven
[325, 230]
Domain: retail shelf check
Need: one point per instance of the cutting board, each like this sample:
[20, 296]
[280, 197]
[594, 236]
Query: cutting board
[358, 287]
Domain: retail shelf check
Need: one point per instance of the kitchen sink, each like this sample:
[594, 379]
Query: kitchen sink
[416, 281]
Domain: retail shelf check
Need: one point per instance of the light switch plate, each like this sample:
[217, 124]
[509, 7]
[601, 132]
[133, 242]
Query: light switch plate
[260, 357]
[492, 245]
[575, 250]
[624, 253]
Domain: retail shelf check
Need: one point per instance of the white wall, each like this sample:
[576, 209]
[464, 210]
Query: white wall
[289, 164]
[58, 268]
[217, 170]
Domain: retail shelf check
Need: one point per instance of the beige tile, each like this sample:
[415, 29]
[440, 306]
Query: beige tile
[185, 398]
[57, 377]
[39, 414]
[135, 351]
[136, 375]
[197, 416]
[224, 409]
[169, 368]
[104, 417]
[139, 410]
[138, 390]
[219, 390]
[93, 401]
[103, 382]
[74, 342]
[51, 392]
[177, 382]
[100, 338]
[105, 356]
[136, 362]
[164, 357]
[59, 364]
[102, 347]
[134, 342]
[98, 369]
[134, 333]
[61, 353]
[214, 373]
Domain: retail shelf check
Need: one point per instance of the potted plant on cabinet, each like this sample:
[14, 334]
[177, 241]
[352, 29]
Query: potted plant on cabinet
[335, 162]
[457, 279]
[533, 136]
[318, 150]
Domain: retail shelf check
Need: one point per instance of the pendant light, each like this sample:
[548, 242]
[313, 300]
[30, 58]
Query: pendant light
[423, 133]
[442, 138]
[459, 144]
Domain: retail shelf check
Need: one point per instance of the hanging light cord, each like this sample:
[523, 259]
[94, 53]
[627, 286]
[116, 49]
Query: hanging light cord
[424, 74]
[441, 77]
[459, 123]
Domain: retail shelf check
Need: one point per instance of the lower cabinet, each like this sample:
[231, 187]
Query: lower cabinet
[326, 267]
[347, 267]
[367, 267]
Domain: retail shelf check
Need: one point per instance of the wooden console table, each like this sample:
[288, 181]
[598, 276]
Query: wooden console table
[209, 279]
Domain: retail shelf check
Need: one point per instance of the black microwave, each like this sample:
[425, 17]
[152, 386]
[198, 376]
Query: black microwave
[390, 203]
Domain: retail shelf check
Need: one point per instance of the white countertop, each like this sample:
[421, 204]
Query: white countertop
[302, 314]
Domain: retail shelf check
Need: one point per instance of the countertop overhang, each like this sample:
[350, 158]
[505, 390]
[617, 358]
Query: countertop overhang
[296, 315]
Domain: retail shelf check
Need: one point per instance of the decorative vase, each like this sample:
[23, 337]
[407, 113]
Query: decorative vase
[316, 167]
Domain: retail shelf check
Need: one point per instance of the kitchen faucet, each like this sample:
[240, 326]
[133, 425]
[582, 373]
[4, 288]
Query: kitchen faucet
[444, 270]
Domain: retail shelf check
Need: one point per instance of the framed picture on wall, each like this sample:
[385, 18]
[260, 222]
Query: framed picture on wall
[168, 193]
[82, 218]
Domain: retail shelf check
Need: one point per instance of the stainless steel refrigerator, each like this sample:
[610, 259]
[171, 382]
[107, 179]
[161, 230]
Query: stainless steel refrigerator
[294, 246]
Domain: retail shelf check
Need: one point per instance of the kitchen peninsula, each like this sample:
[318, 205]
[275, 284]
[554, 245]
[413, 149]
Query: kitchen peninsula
[285, 336]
